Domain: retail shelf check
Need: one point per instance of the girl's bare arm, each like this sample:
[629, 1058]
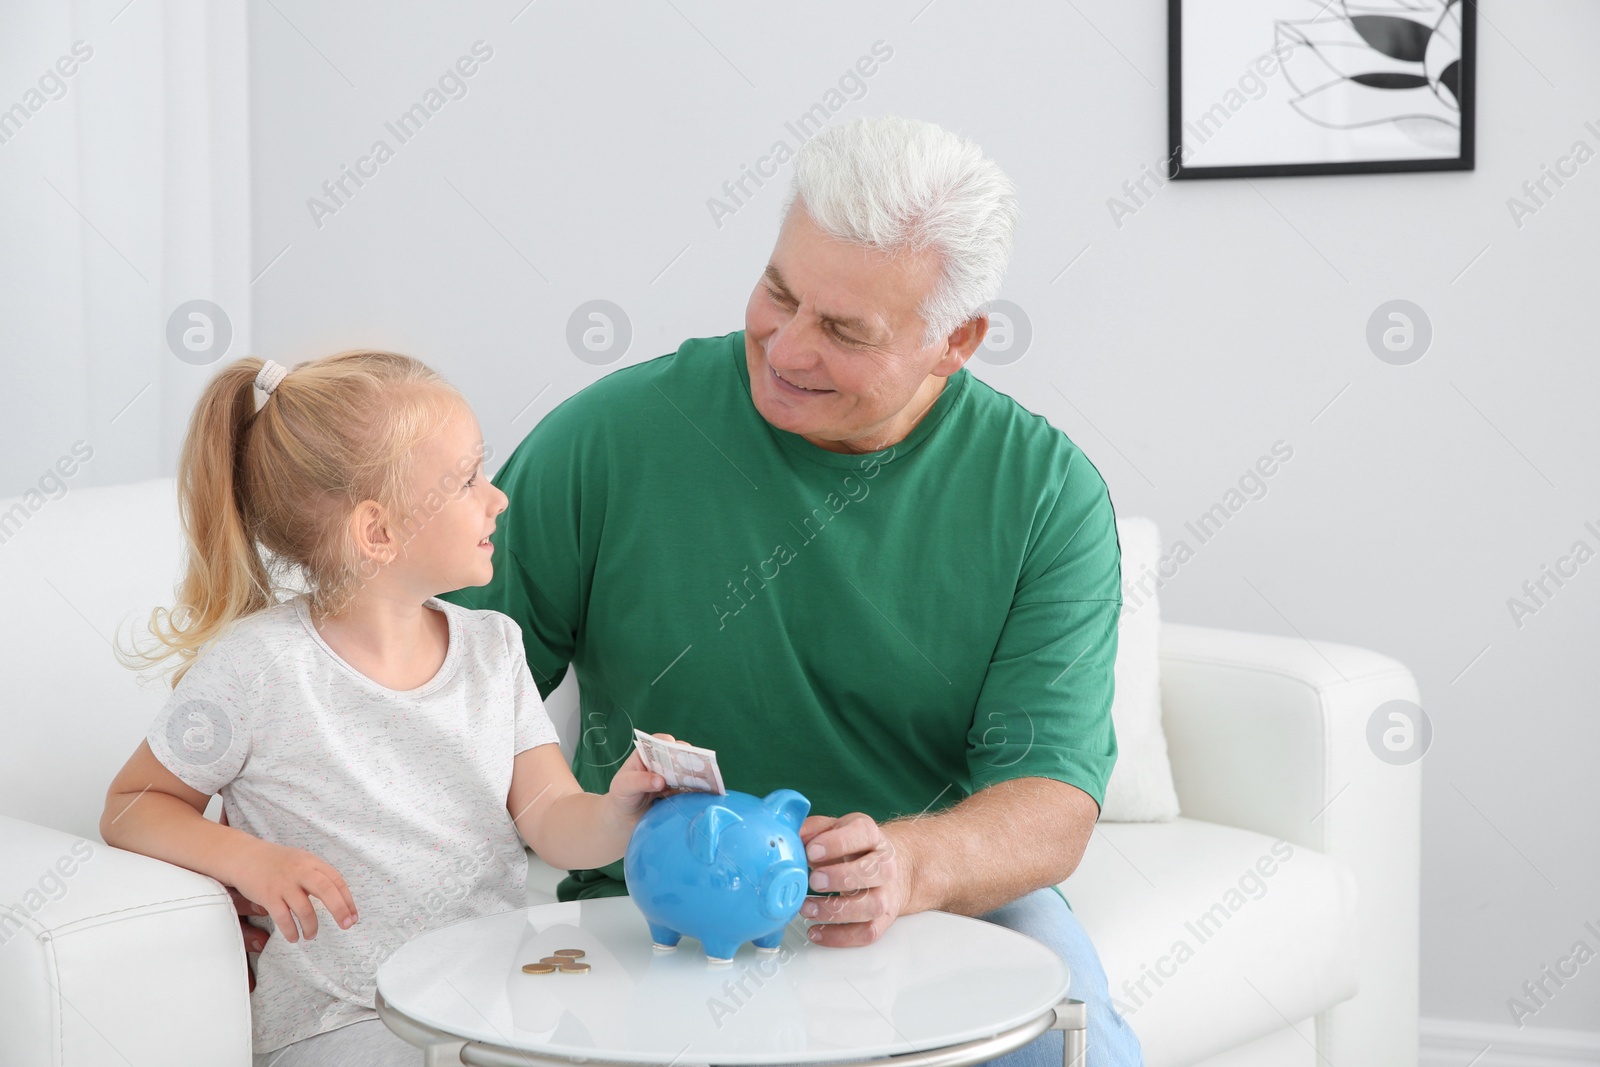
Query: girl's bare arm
[572, 829]
[151, 811]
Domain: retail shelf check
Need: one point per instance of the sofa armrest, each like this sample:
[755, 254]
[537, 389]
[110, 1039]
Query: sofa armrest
[107, 956]
[1269, 733]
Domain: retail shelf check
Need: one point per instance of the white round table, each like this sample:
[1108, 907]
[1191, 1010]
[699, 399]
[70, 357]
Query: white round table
[937, 990]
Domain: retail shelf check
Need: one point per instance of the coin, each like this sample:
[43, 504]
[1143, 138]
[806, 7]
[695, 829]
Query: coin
[571, 953]
[556, 960]
[539, 968]
[573, 967]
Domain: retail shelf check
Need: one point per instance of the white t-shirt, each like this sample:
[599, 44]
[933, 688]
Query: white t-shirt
[402, 793]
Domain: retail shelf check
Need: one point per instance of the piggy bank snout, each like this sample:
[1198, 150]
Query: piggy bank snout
[782, 890]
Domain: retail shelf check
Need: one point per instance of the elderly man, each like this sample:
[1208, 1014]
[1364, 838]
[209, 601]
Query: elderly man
[824, 549]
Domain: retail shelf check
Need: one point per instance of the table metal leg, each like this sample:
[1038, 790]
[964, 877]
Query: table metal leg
[439, 1049]
[443, 1054]
[1072, 1019]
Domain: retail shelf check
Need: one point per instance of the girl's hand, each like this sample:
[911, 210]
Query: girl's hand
[635, 787]
[283, 880]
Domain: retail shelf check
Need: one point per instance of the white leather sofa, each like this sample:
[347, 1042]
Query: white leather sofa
[1275, 923]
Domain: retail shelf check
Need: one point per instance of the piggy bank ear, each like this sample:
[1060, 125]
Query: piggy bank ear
[787, 805]
[705, 831]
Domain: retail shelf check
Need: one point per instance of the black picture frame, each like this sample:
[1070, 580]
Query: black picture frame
[1465, 82]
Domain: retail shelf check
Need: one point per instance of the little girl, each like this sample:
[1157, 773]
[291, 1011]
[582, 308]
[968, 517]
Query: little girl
[378, 750]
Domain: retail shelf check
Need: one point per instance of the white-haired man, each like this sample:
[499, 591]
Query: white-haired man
[821, 547]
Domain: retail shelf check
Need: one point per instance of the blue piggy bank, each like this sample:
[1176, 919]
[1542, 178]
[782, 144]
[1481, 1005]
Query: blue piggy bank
[724, 869]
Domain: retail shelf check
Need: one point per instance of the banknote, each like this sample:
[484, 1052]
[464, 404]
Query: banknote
[684, 766]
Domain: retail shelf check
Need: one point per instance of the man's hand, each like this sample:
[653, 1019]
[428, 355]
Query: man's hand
[993, 847]
[860, 860]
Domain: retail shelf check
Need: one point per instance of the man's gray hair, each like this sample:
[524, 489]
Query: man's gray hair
[898, 185]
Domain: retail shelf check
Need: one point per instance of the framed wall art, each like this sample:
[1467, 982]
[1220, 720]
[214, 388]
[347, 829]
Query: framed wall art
[1282, 87]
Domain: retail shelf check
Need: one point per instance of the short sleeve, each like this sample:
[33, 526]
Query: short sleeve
[533, 726]
[202, 733]
[1045, 706]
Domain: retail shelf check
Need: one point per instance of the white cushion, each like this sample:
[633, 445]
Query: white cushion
[76, 572]
[1213, 936]
[1141, 787]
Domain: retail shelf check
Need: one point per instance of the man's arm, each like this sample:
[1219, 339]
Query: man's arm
[997, 845]
[1050, 681]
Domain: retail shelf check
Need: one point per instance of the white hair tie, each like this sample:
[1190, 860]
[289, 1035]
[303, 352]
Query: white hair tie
[267, 380]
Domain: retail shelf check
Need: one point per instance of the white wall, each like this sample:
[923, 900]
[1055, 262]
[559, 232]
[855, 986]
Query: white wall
[1221, 318]
[123, 194]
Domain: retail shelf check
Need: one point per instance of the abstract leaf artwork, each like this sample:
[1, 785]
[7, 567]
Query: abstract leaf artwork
[1280, 87]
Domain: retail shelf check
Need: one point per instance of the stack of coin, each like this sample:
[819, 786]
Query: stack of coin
[564, 960]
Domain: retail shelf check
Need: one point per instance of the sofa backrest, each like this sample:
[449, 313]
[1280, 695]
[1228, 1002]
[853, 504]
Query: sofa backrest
[77, 572]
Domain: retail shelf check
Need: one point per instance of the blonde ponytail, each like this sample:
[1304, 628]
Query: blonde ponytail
[265, 497]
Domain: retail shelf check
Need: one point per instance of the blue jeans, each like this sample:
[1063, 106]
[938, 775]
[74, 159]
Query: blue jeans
[1045, 917]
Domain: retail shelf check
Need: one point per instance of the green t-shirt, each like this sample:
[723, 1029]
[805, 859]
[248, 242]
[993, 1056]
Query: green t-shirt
[886, 632]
